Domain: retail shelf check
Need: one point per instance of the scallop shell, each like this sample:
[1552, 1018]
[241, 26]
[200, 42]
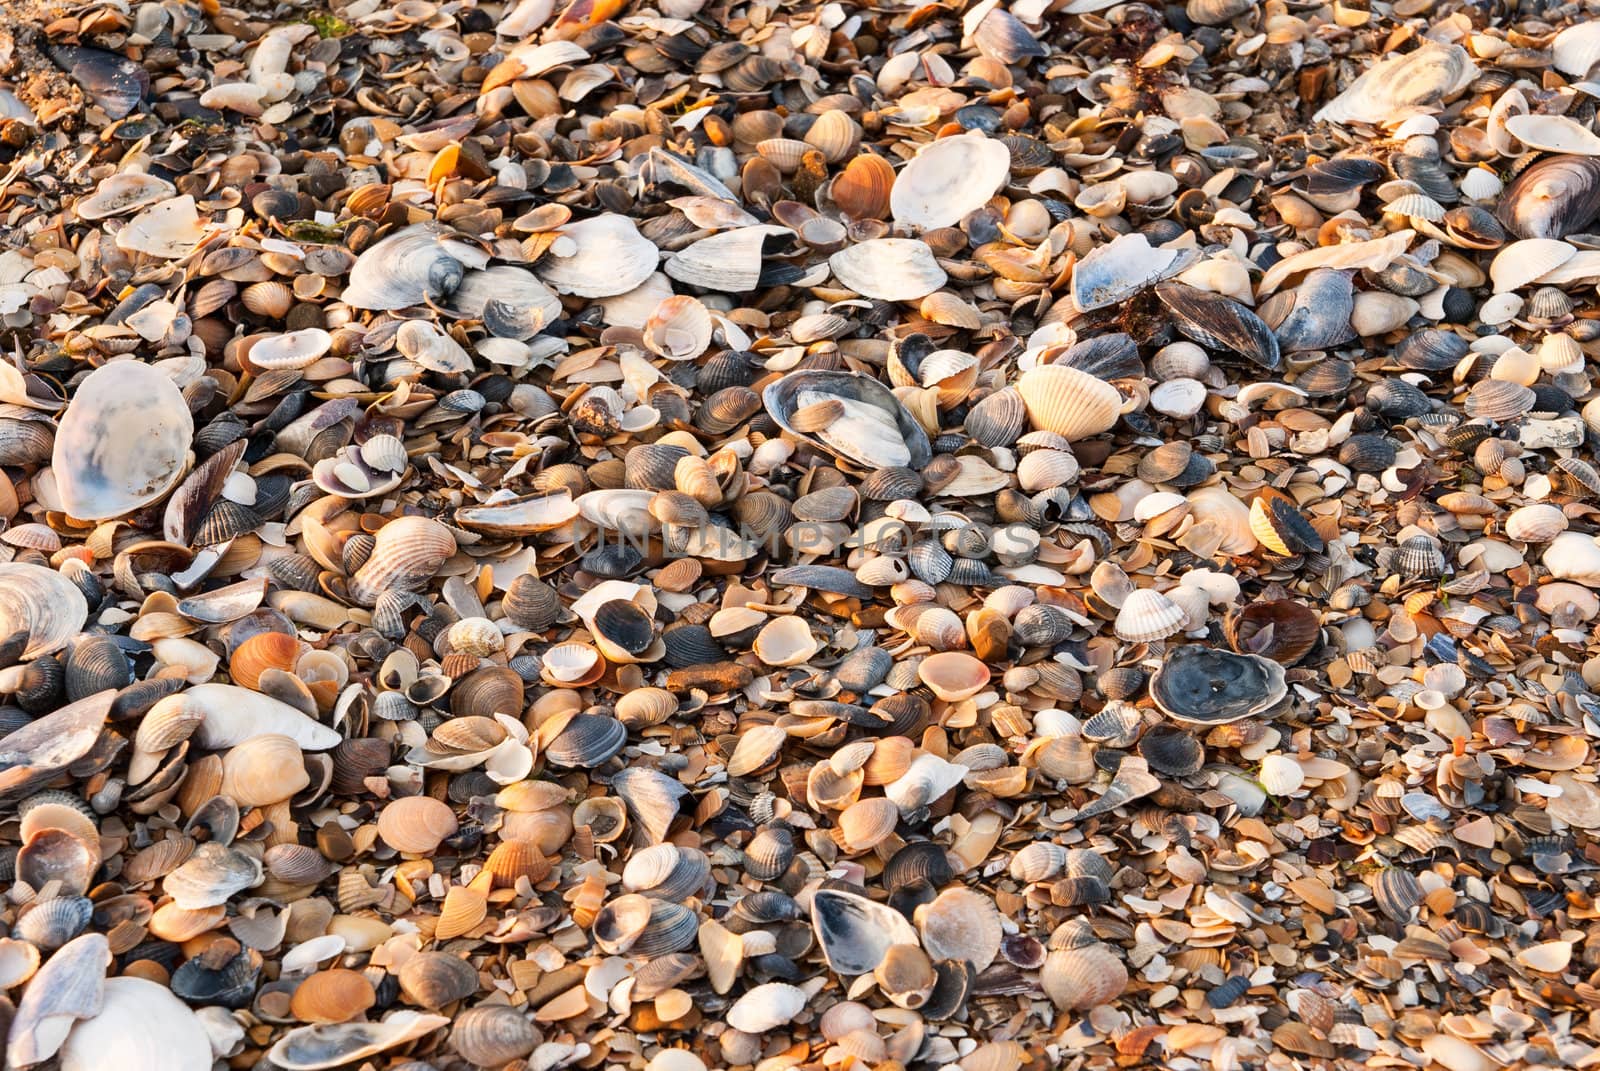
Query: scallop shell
[408, 553]
[1070, 403]
[1082, 977]
[1148, 615]
[948, 179]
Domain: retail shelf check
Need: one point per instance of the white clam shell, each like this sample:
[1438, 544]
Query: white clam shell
[147, 1027]
[948, 179]
[293, 349]
[168, 229]
[123, 441]
[1576, 49]
[41, 602]
[69, 987]
[1399, 84]
[607, 256]
[889, 269]
[1521, 263]
[766, 1007]
[729, 262]
[1553, 133]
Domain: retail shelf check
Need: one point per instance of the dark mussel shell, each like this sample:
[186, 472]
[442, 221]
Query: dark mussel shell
[1220, 323]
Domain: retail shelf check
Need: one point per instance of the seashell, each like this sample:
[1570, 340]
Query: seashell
[1538, 523]
[729, 261]
[1396, 892]
[1319, 316]
[1280, 629]
[1044, 469]
[607, 256]
[145, 1025]
[835, 134]
[769, 852]
[1399, 84]
[410, 267]
[58, 855]
[292, 350]
[211, 875]
[493, 1035]
[121, 193]
[670, 928]
[37, 751]
[1220, 323]
[766, 1007]
[1114, 272]
[1148, 615]
[1276, 522]
[433, 980]
[18, 962]
[862, 189]
[270, 299]
[874, 430]
[1575, 49]
[906, 976]
[51, 923]
[953, 675]
[1499, 400]
[888, 269]
[652, 799]
[1170, 750]
[679, 329]
[865, 824]
[1527, 261]
[948, 179]
[321, 1047]
[1080, 972]
[408, 552]
[1209, 686]
[261, 653]
[644, 707]
[122, 443]
[332, 996]
[415, 825]
[588, 740]
[667, 872]
[1553, 133]
[855, 933]
[41, 604]
[1068, 402]
[263, 770]
[1281, 775]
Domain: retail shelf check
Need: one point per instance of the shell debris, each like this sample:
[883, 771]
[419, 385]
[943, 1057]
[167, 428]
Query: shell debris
[757, 535]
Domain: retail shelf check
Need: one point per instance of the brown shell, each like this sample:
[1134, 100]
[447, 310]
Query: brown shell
[332, 996]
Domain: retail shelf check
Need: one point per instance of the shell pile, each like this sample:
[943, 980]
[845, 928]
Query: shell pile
[744, 534]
